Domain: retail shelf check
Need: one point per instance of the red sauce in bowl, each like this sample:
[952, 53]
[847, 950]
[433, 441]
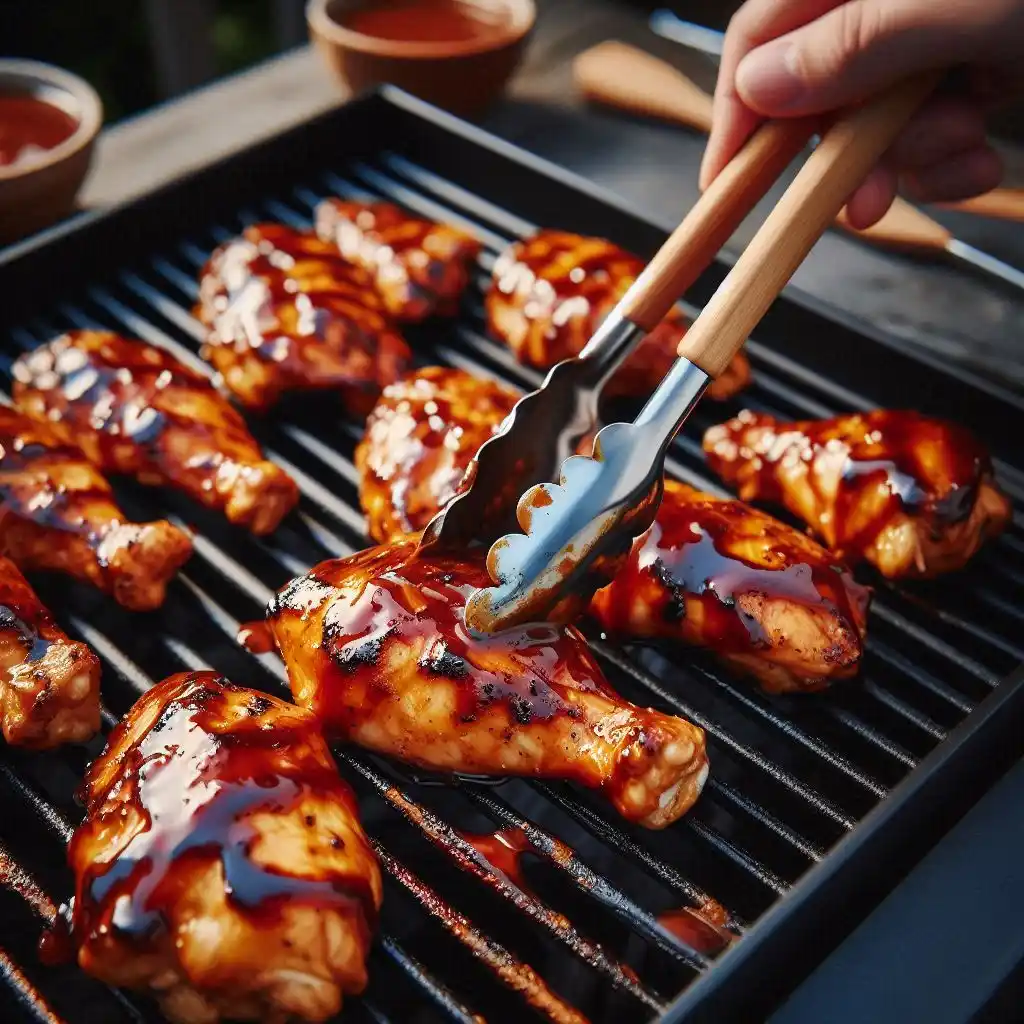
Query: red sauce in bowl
[29, 127]
[426, 21]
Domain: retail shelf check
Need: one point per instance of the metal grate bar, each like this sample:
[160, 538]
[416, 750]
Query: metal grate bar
[439, 994]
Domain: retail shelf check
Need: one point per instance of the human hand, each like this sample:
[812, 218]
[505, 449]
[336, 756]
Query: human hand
[788, 58]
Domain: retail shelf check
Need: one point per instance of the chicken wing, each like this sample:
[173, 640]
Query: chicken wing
[377, 646]
[419, 439]
[550, 293]
[286, 313]
[133, 408]
[221, 864]
[58, 512]
[49, 684]
[711, 573]
[421, 268]
[763, 597]
[912, 495]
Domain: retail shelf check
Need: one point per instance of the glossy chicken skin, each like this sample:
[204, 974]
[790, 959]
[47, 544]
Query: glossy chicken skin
[377, 646]
[419, 440]
[421, 268]
[763, 597]
[57, 511]
[135, 409]
[550, 293]
[221, 864]
[912, 495]
[286, 313]
[49, 684]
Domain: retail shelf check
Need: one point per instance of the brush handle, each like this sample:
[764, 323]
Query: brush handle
[712, 220]
[1003, 203]
[623, 76]
[849, 149]
[903, 227]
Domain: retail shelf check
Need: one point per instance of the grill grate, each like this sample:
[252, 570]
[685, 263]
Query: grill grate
[580, 933]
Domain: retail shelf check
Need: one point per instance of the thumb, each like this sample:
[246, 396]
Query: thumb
[856, 50]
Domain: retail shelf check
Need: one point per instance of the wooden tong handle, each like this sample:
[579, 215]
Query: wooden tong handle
[836, 167]
[1004, 203]
[713, 218]
[628, 78]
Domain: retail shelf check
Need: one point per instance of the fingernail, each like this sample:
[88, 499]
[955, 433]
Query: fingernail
[767, 78]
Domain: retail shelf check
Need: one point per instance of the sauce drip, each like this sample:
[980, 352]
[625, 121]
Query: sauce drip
[426, 21]
[503, 850]
[196, 783]
[29, 127]
[701, 932]
[256, 637]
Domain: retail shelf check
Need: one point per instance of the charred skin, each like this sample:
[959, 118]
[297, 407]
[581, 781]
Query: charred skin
[58, 512]
[914, 496]
[221, 865]
[377, 647]
[49, 684]
[419, 440]
[420, 267]
[135, 409]
[764, 598]
[551, 292]
[285, 313]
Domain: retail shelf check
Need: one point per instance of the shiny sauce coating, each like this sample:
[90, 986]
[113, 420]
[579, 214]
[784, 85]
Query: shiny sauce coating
[195, 786]
[411, 599]
[698, 549]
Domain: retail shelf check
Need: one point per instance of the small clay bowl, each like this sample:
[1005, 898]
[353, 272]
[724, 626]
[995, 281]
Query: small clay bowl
[39, 191]
[464, 75]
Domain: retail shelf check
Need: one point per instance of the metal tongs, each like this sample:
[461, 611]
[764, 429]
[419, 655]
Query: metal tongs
[601, 503]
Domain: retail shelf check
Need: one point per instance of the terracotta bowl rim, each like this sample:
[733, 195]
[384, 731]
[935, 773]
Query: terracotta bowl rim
[522, 16]
[23, 75]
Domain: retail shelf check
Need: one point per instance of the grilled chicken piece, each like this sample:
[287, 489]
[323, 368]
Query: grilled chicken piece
[377, 646]
[419, 440]
[550, 293]
[710, 573]
[135, 409]
[912, 495]
[221, 865]
[766, 599]
[286, 313]
[58, 512]
[49, 685]
[421, 268]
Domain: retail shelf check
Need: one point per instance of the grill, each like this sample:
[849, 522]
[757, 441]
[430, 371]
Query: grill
[815, 806]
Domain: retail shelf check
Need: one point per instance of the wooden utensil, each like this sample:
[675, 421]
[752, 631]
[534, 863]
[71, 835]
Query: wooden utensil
[630, 79]
[1002, 203]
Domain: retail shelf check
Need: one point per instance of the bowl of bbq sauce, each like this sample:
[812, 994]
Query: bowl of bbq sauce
[49, 120]
[457, 54]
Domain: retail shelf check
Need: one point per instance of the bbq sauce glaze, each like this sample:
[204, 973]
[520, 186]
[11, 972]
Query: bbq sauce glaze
[693, 553]
[420, 439]
[289, 300]
[420, 267]
[29, 127]
[23, 617]
[195, 777]
[423, 598]
[929, 468]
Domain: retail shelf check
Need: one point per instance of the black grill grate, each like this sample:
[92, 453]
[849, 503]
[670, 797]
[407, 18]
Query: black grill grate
[579, 936]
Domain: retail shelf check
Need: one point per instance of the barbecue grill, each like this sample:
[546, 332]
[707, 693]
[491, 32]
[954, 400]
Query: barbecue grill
[816, 806]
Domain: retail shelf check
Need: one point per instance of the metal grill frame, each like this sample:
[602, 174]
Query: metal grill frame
[846, 882]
